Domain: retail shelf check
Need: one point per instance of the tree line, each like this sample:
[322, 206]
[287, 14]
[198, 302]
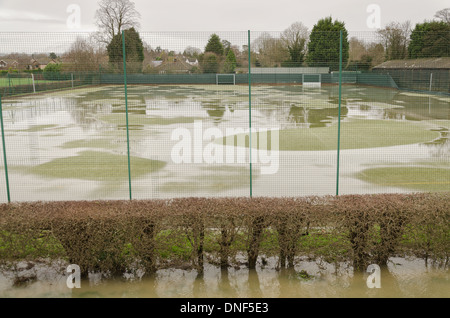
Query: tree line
[320, 47]
[296, 46]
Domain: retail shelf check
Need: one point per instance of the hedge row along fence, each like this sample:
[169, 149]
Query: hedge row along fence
[118, 236]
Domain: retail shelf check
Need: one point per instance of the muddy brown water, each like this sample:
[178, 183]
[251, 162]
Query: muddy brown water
[401, 278]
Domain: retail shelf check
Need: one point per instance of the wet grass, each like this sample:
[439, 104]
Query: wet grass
[428, 179]
[40, 128]
[355, 134]
[44, 244]
[175, 244]
[98, 166]
[215, 182]
[14, 81]
[94, 143]
[120, 119]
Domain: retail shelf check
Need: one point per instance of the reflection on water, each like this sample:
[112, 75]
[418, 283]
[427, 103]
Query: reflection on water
[59, 125]
[401, 278]
[289, 104]
[46, 127]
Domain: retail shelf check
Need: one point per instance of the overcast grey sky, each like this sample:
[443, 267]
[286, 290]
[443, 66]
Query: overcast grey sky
[197, 15]
[212, 15]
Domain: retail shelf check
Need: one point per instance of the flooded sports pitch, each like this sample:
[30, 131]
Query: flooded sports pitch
[192, 140]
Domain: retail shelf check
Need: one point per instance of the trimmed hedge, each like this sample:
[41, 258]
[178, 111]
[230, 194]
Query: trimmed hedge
[118, 236]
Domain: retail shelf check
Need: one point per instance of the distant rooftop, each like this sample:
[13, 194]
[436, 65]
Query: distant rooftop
[427, 63]
[290, 70]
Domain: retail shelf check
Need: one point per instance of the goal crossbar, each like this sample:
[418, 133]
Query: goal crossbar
[311, 80]
[229, 79]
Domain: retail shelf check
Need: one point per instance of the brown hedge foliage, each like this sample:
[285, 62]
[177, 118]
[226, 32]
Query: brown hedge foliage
[116, 236]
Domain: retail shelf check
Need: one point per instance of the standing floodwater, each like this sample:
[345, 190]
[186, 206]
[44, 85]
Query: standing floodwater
[402, 278]
[72, 145]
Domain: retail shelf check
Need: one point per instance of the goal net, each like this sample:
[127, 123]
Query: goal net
[312, 80]
[225, 79]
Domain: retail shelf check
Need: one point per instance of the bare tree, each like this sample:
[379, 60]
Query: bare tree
[365, 54]
[443, 15]
[295, 38]
[271, 51]
[259, 44]
[395, 37]
[113, 16]
[192, 51]
[84, 56]
[357, 48]
[376, 51]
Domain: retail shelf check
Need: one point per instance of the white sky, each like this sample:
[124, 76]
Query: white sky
[212, 15]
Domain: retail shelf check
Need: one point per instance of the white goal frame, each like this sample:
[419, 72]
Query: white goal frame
[226, 83]
[316, 84]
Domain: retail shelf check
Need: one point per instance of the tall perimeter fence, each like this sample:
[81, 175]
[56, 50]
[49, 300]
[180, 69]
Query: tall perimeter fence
[182, 114]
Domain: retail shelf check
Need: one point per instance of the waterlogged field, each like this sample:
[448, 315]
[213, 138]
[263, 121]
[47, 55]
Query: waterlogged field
[193, 140]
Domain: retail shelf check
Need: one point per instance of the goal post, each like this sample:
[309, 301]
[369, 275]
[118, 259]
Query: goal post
[226, 79]
[312, 80]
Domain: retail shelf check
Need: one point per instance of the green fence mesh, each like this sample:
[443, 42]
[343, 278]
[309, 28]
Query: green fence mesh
[184, 117]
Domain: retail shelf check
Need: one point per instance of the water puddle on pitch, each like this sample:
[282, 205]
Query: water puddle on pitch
[50, 137]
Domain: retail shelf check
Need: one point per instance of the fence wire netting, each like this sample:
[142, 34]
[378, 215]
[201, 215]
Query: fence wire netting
[323, 113]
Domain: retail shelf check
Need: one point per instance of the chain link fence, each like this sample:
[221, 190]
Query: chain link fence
[219, 114]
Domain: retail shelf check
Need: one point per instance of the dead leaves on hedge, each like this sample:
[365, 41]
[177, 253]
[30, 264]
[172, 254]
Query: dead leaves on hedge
[116, 236]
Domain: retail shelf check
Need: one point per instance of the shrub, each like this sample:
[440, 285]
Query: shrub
[210, 63]
[52, 72]
[35, 71]
[116, 236]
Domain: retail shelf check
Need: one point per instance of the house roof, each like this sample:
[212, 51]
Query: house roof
[176, 65]
[156, 63]
[427, 63]
[9, 61]
[42, 61]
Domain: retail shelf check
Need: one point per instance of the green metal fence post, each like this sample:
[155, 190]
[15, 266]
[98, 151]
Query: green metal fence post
[9, 84]
[126, 110]
[99, 74]
[250, 112]
[4, 152]
[339, 112]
